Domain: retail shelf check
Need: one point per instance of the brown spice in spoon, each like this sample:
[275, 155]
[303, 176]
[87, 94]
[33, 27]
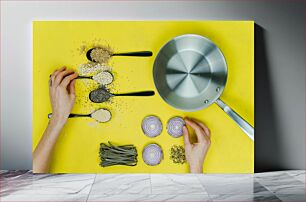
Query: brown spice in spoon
[101, 54]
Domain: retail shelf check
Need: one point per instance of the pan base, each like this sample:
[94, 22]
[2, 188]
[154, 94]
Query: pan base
[188, 73]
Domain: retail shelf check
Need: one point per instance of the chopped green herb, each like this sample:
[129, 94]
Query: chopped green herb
[177, 154]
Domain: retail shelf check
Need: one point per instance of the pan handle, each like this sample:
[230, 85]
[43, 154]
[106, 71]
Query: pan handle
[245, 126]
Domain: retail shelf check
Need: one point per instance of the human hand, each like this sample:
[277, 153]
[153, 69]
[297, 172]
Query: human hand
[195, 152]
[62, 93]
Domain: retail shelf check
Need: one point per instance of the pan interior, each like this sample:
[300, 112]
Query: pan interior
[190, 72]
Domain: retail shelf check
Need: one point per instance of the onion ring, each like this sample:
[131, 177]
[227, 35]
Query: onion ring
[151, 126]
[152, 154]
[175, 127]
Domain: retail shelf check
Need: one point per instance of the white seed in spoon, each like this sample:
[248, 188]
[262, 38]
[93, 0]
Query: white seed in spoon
[101, 115]
[103, 78]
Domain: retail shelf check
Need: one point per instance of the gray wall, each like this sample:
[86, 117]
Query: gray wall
[280, 74]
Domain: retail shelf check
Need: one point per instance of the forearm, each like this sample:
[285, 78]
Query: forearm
[43, 151]
[195, 169]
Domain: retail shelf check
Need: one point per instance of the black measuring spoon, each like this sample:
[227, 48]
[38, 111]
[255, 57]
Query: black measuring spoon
[102, 95]
[136, 54]
[97, 78]
[94, 115]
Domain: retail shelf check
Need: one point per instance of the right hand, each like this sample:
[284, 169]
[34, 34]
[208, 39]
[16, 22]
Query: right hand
[195, 152]
[62, 93]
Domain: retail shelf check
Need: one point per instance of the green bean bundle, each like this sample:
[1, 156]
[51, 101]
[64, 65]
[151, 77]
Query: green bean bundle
[111, 155]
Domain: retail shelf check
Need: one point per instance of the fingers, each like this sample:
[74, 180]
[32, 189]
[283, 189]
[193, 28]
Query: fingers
[72, 87]
[63, 78]
[60, 76]
[54, 74]
[58, 71]
[66, 81]
[198, 130]
[186, 136]
[203, 126]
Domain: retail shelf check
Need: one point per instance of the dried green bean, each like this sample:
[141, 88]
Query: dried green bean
[111, 155]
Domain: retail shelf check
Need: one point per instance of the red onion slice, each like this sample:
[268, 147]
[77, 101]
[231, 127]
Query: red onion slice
[151, 126]
[175, 126]
[152, 154]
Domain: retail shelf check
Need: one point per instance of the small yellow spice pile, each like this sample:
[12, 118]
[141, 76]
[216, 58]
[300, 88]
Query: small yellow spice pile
[101, 54]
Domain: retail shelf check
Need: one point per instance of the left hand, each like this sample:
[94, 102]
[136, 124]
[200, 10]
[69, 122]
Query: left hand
[62, 93]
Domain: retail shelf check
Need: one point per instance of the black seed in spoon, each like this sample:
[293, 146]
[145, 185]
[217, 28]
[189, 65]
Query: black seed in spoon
[99, 95]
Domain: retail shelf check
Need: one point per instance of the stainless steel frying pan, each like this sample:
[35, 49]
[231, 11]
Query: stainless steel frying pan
[190, 73]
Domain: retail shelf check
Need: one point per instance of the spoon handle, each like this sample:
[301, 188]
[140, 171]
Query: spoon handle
[78, 115]
[142, 93]
[72, 115]
[138, 53]
[84, 77]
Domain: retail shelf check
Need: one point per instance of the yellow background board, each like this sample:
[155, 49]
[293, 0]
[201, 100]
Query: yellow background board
[57, 43]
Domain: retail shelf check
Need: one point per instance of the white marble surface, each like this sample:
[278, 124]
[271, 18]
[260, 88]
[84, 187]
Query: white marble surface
[298, 175]
[271, 186]
[46, 197]
[291, 197]
[151, 197]
[176, 184]
[229, 184]
[243, 198]
[281, 183]
[61, 184]
[114, 184]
